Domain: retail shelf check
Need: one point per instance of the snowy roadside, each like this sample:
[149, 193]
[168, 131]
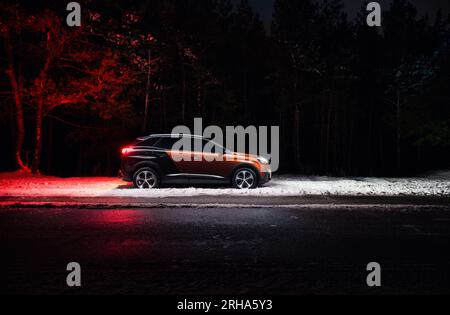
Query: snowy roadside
[20, 184]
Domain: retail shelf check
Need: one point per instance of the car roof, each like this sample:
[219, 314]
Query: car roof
[172, 136]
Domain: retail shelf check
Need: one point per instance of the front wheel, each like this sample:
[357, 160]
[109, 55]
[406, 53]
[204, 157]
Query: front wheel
[146, 178]
[245, 178]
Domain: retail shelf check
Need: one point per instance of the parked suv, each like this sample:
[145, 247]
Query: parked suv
[152, 161]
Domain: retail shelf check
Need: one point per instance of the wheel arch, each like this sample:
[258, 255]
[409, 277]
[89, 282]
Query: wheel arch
[246, 165]
[149, 164]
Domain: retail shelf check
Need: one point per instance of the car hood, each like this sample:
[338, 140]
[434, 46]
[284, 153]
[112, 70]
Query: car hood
[244, 156]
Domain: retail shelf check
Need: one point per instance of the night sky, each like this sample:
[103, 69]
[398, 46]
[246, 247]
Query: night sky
[265, 7]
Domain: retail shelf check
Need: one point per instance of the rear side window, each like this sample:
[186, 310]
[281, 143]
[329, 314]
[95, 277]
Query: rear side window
[149, 142]
[166, 143]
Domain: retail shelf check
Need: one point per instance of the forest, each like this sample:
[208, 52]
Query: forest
[350, 100]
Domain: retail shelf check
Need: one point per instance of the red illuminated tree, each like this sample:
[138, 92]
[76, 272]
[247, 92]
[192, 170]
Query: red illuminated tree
[11, 23]
[72, 69]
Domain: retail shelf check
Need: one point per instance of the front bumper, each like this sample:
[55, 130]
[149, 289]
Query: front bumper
[265, 177]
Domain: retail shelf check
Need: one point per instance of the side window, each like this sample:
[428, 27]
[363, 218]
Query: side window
[211, 147]
[149, 142]
[203, 143]
[166, 143]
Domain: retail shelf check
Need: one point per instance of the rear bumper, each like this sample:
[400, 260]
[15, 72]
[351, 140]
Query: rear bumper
[124, 177]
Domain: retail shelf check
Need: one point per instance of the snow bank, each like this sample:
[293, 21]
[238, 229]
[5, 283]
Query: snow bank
[22, 185]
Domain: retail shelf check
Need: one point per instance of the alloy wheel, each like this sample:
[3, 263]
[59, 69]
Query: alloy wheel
[245, 179]
[146, 179]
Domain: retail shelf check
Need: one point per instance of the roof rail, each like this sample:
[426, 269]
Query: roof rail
[170, 135]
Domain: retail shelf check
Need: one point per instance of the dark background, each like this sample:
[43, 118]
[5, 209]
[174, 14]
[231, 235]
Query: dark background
[352, 7]
[350, 100]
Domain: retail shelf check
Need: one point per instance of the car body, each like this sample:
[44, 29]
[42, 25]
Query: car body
[152, 161]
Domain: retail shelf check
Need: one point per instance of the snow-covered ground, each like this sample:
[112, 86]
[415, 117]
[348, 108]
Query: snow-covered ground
[25, 185]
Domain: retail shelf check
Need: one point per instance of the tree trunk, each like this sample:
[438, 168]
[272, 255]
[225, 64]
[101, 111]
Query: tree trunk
[370, 154]
[245, 92]
[398, 131]
[297, 163]
[40, 116]
[328, 133]
[163, 108]
[16, 87]
[38, 136]
[147, 92]
[297, 137]
[336, 158]
[183, 97]
[183, 83]
[20, 126]
[322, 138]
[349, 151]
[49, 151]
[199, 97]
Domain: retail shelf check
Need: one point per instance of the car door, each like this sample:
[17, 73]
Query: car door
[180, 157]
[207, 162]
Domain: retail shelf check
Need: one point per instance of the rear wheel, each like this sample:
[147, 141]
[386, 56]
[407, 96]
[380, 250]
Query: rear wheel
[245, 178]
[146, 178]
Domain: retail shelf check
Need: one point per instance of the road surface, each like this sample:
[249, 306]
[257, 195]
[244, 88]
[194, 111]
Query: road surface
[259, 250]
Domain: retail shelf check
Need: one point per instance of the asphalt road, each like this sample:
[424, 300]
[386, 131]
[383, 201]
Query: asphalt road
[226, 250]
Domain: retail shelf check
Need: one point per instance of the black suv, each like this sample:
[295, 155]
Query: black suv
[152, 161]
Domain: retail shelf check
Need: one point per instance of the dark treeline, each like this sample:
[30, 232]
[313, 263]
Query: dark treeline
[349, 99]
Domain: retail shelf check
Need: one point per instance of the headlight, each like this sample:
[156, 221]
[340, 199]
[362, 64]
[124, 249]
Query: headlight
[263, 160]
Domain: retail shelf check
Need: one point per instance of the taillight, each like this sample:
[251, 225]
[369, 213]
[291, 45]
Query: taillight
[126, 150]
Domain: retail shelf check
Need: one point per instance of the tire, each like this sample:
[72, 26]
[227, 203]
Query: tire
[146, 178]
[244, 178]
